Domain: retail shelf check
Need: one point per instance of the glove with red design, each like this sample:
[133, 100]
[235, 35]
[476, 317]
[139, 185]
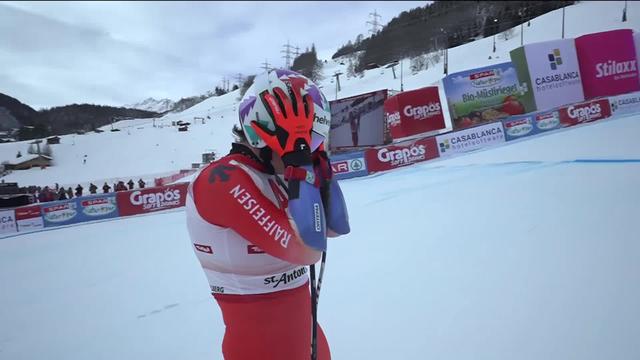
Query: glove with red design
[293, 121]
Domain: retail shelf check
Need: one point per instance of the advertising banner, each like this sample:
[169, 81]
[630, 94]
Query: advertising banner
[358, 121]
[97, 207]
[466, 140]
[520, 126]
[149, 200]
[625, 104]
[608, 64]
[350, 165]
[403, 154]
[551, 69]
[585, 112]
[486, 95]
[414, 112]
[60, 213]
[29, 218]
[7, 222]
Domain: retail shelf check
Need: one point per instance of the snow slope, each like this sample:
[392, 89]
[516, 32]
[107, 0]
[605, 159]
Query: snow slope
[513, 253]
[142, 150]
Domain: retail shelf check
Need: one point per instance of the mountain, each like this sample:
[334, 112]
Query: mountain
[14, 114]
[151, 104]
[62, 119]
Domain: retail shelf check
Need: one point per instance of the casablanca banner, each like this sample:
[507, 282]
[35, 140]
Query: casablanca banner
[608, 64]
[29, 218]
[485, 95]
[414, 112]
[466, 140]
[625, 104]
[551, 69]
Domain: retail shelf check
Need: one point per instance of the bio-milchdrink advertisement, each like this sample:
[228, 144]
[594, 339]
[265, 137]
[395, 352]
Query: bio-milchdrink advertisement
[485, 95]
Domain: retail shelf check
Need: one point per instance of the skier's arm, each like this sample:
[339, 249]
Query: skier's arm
[234, 201]
[335, 206]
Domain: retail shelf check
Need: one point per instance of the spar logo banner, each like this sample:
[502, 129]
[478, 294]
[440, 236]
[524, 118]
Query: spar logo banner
[551, 69]
[403, 154]
[358, 121]
[97, 207]
[517, 127]
[608, 63]
[152, 199]
[29, 218]
[585, 112]
[470, 139]
[485, 95]
[414, 112]
[7, 222]
[346, 166]
[625, 104]
[60, 213]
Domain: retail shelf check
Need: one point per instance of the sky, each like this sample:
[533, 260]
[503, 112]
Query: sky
[117, 53]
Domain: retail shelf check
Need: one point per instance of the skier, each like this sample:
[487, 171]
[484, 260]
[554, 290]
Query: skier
[259, 215]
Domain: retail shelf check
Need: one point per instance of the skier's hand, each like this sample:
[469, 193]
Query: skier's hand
[321, 164]
[293, 123]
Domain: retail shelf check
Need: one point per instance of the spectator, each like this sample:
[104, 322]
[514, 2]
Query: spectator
[121, 186]
[62, 194]
[92, 188]
[79, 190]
[141, 184]
[130, 183]
[42, 196]
[106, 188]
[57, 187]
[69, 193]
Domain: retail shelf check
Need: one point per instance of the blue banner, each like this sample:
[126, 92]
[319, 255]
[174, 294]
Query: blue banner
[58, 213]
[349, 165]
[520, 126]
[97, 207]
[77, 210]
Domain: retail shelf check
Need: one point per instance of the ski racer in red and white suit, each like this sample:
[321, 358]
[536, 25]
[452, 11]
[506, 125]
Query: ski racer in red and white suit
[254, 252]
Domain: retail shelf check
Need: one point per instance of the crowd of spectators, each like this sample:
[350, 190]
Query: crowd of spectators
[46, 194]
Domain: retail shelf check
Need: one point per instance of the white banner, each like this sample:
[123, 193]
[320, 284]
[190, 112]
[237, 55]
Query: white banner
[7, 222]
[555, 73]
[29, 218]
[470, 139]
[625, 104]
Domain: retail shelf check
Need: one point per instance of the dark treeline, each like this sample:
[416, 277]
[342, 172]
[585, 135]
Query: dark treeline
[442, 24]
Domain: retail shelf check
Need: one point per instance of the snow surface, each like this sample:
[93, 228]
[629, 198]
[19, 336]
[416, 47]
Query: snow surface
[515, 252]
[492, 258]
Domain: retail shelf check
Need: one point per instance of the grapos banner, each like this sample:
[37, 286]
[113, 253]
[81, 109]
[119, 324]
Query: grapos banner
[358, 121]
[414, 112]
[551, 68]
[7, 222]
[486, 94]
[588, 111]
[470, 139]
[608, 64]
[402, 154]
[625, 104]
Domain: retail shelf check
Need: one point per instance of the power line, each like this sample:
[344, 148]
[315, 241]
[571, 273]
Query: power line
[375, 24]
[265, 65]
[287, 54]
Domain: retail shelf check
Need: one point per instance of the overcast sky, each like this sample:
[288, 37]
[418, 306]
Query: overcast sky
[116, 53]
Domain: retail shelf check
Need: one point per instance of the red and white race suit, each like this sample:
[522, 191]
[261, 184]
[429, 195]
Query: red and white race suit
[253, 258]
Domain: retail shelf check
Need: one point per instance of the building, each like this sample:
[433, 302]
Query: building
[28, 161]
[53, 140]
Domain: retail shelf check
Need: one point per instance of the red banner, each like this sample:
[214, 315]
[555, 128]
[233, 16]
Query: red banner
[414, 112]
[28, 212]
[585, 112]
[172, 178]
[395, 156]
[152, 199]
